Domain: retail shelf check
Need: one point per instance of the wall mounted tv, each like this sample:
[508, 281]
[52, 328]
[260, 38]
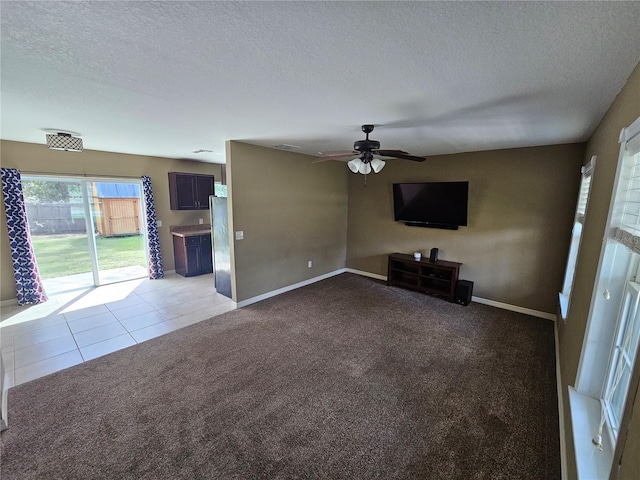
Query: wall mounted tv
[432, 204]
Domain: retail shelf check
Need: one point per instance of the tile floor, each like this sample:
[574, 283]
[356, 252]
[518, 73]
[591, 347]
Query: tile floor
[79, 325]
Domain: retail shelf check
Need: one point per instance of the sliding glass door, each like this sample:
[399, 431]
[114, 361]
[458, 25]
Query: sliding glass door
[118, 226]
[86, 232]
[58, 228]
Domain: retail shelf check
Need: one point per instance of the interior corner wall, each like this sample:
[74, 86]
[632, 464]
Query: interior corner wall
[291, 211]
[604, 144]
[521, 207]
[36, 158]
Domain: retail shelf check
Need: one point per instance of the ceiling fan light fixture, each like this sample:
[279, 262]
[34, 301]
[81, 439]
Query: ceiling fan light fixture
[64, 141]
[377, 164]
[354, 165]
[365, 168]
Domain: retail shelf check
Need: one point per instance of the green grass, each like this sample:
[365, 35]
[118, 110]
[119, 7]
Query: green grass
[61, 255]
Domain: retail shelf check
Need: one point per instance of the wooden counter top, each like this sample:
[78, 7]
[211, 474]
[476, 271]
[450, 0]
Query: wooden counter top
[190, 230]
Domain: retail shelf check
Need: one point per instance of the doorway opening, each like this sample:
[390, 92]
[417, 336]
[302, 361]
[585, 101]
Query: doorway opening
[86, 232]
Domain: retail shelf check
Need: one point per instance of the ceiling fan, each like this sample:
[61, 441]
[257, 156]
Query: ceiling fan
[365, 151]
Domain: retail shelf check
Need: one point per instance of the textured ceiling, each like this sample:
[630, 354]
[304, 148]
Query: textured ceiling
[168, 78]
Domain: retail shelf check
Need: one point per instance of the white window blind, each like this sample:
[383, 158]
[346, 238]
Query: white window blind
[626, 212]
[583, 196]
[576, 236]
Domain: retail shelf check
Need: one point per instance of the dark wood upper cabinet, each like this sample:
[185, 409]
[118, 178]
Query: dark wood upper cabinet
[189, 191]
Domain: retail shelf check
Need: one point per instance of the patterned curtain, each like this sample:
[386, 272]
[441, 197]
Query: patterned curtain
[155, 257]
[25, 270]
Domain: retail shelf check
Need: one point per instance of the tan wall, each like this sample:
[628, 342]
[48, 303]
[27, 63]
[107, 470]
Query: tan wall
[604, 144]
[630, 465]
[291, 211]
[35, 158]
[521, 206]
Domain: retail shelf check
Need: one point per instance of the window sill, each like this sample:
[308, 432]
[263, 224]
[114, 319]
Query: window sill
[591, 463]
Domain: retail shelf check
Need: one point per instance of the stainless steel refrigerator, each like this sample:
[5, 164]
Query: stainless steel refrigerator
[220, 244]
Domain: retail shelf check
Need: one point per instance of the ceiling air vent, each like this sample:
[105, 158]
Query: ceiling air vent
[64, 141]
[286, 146]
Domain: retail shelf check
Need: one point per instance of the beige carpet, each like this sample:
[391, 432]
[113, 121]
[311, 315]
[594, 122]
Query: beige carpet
[345, 378]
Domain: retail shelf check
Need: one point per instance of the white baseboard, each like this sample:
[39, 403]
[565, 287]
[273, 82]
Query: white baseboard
[288, 288]
[563, 442]
[493, 303]
[515, 308]
[366, 274]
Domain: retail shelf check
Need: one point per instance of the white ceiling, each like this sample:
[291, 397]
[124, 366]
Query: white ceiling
[168, 78]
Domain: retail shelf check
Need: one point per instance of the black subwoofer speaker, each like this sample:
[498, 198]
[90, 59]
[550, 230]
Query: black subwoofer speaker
[464, 291]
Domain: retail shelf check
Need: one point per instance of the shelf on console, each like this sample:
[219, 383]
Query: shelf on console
[435, 278]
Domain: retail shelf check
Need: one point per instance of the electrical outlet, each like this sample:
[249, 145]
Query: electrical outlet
[239, 235]
[158, 223]
[309, 264]
[200, 221]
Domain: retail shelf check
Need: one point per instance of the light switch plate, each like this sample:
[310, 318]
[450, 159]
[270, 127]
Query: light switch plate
[239, 235]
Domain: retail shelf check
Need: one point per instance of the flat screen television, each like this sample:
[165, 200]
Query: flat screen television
[432, 204]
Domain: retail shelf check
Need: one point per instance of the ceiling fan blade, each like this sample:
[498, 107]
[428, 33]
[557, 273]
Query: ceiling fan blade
[399, 154]
[339, 153]
[326, 159]
[324, 156]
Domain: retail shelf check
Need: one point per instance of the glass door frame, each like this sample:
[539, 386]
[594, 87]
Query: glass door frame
[90, 225]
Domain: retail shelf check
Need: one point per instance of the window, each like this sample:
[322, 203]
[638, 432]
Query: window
[576, 236]
[219, 190]
[622, 358]
[609, 353]
[86, 231]
[625, 229]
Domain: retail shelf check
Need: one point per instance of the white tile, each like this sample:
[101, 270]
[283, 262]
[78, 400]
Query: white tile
[74, 314]
[206, 313]
[130, 301]
[111, 293]
[183, 289]
[45, 367]
[41, 351]
[153, 331]
[107, 346]
[142, 321]
[28, 312]
[6, 341]
[99, 334]
[87, 323]
[168, 299]
[186, 320]
[8, 361]
[219, 299]
[36, 332]
[36, 324]
[133, 311]
[221, 308]
[185, 308]
[169, 281]
[10, 377]
[41, 335]
[67, 298]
